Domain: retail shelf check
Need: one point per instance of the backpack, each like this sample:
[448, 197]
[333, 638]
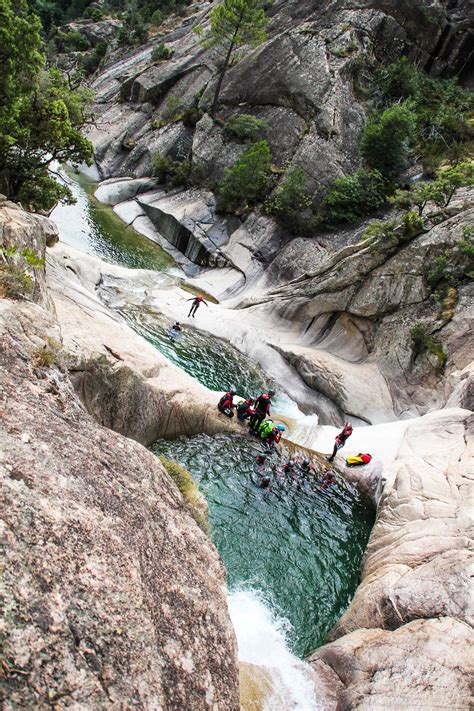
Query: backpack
[265, 428]
[358, 459]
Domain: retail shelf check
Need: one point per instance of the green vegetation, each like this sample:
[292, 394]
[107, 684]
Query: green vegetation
[354, 197]
[442, 110]
[440, 191]
[47, 355]
[291, 204]
[246, 182]
[416, 118]
[245, 126]
[386, 139]
[92, 61]
[409, 226]
[233, 24]
[15, 282]
[454, 265]
[161, 53]
[422, 341]
[189, 491]
[40, 116]
[345, 51]
[171, 173]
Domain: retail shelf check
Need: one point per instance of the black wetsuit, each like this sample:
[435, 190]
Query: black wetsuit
[195, 306]
[262, 409]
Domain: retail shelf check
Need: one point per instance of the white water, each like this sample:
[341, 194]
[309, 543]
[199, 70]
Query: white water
[262, 640]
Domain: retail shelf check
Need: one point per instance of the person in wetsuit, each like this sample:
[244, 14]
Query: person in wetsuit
[226, 403]
[341, 440]
[244, 409]
[195, 305]
[262, 409]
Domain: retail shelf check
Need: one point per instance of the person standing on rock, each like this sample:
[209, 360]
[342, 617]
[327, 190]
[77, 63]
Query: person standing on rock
[340, 440]
[195, 305]
[262, 409]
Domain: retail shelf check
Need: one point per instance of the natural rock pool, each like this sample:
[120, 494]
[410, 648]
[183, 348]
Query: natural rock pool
[300, 545]
[297, 545]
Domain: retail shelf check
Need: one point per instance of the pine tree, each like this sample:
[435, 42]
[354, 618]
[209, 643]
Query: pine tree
[233, 23]
[40, 117]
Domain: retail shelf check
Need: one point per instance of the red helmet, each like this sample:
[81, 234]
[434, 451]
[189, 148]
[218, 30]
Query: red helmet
[199, 297]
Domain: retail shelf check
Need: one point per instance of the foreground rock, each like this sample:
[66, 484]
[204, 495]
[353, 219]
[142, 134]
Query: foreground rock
[412, 615]
[113, 596]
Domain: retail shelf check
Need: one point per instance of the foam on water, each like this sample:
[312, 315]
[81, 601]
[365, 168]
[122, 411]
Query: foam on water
[262, 640]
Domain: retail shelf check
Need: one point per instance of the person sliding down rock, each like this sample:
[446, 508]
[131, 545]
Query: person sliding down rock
[244, 409]
[226, 403]
[341, 440]
[262, 409]
[195, 305]
[175, 330]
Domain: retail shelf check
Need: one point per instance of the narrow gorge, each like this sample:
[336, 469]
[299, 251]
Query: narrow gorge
[315, 183]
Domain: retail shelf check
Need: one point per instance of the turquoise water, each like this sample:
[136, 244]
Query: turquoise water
[95, 228]
[299, 544]
[210, 360]
[301, 547]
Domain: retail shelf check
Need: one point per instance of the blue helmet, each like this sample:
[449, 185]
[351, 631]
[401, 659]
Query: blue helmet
[282, 428]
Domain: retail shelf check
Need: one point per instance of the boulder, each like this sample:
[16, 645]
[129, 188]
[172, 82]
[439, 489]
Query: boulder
[113, 596]
[20, 230]
[96, 32]
[112, 192]
[424, 664]
[358, 389]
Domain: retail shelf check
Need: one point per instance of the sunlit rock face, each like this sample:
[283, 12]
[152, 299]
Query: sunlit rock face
[108, 579]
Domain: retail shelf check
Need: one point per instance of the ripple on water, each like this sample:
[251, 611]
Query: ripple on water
[297, 543]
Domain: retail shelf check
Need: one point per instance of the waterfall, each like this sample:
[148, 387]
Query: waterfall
[262, 641]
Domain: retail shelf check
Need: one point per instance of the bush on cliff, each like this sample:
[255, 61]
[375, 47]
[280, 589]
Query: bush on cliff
[353, 197]
[291, 204]
[386, 139]
[189, 491]
[246, 182]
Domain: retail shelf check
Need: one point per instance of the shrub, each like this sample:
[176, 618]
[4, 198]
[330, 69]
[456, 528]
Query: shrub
[386, 139]
[71, 41]
[440, 191]
[455, 264]
[246, 182]
[412, 224]
[15, 282]
[157, 18]
[290, 201]
[342, 52]
[92, 62]
[354, 196]
[46, 356]
[245, 126]
[442, 109]
[94, 13]
[423, 342]
[189, 491]
[380, 230]
[161, 53]
[171, 173]
[191, 116]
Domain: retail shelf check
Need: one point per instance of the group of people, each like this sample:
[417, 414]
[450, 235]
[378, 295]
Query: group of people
[257, 412]
[297, 471]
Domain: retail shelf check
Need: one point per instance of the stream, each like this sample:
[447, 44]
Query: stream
[293, 553]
